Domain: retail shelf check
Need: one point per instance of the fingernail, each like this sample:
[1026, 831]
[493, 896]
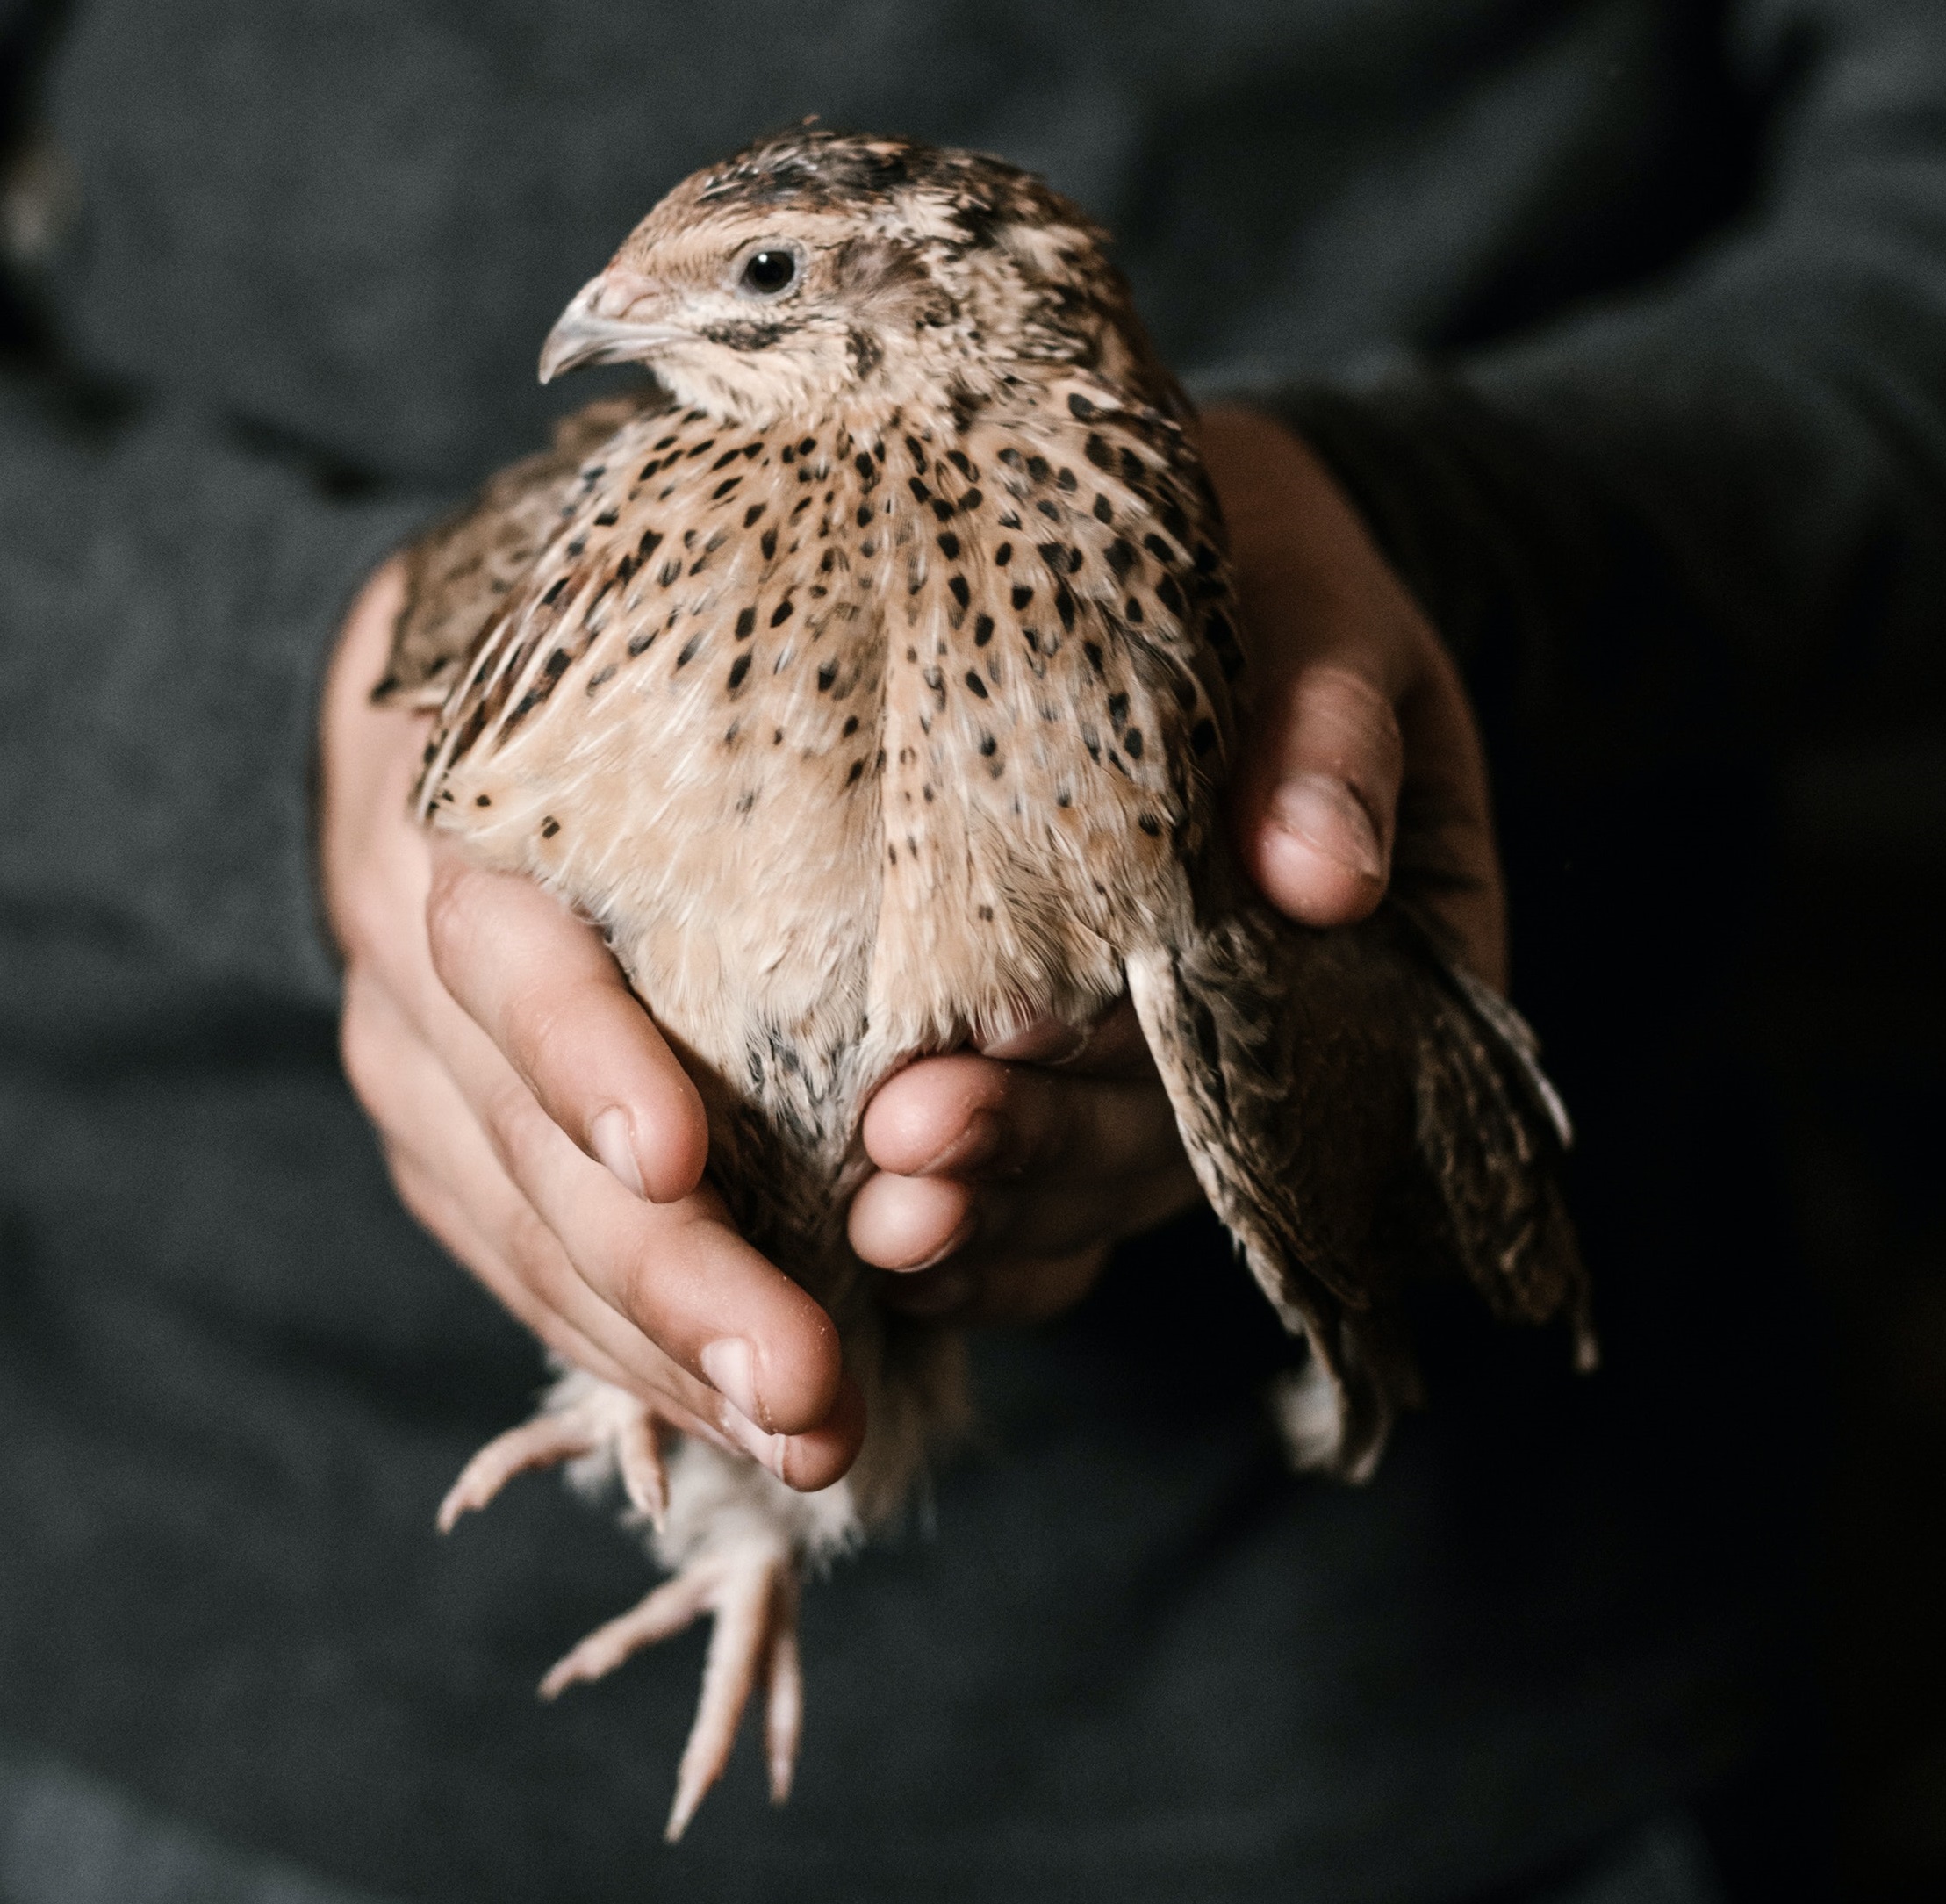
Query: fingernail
[611, 1145]
[1330, 819]
[728, 1364]
[766, 1448]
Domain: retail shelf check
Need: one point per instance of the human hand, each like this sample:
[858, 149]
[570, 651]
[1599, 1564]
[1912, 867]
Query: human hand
[1001, 1186]
[534, 1121]
[1004, 1176]
[1361, 739]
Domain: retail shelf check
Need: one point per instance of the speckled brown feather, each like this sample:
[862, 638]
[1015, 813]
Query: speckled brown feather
[459, 572]
[876, 690]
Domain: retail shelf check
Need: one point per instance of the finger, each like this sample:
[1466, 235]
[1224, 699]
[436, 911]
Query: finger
[1036, 1219]
[639, 1285]
[923, 1226]
[968, 1117]
[808, 1462]
[678, 1273]
[451, 1182]
[909, 1223]
[946, 1124]
[545, 988]
[368, 760]
[1317, 805]
[519, 1282]
[1333, 637]
[437, 1210]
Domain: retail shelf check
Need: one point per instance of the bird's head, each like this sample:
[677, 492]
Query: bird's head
[817, 272]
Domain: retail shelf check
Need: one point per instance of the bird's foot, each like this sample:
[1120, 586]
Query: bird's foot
[733, 1537]
[581, 1417]
[749, 1585]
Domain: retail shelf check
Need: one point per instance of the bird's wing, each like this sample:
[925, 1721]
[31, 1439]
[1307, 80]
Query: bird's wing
[1361, 1115]
[461, 571]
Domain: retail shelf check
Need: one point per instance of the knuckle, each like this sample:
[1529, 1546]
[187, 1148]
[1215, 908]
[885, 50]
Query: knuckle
[633, 1288]
[538, 1022]
[533, 1251]
[446, 933]
[418, 1191]
[362, 922]
[452, 917]
[1351, 705]
[518, 1129]
[367, 1047]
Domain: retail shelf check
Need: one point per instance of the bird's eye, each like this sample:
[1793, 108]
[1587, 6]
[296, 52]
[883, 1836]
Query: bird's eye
[766, 274]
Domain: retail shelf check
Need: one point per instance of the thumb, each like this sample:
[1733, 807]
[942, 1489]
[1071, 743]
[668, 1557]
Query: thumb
[1315, 798]
[1317, 805]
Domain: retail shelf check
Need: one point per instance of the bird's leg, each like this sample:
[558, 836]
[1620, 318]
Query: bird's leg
[733, 1537]
[581, 1417]
[749, 1584]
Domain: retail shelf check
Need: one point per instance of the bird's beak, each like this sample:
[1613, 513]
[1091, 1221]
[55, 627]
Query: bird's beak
[584, 335]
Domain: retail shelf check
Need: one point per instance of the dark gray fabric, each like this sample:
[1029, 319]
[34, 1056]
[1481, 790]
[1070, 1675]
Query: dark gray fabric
[1623, 320]
[1663, 1862]
[66, 1838]
[170, 595]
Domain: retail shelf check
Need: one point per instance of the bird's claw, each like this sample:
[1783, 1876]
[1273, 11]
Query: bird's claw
[743, 1572]
[593, 1420]
[750, 1588]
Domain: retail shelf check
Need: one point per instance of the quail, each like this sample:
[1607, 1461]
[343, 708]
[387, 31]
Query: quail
[870, 678]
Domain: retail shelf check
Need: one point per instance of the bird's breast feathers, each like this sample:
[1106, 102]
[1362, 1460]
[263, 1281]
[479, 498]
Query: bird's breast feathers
[869, 733]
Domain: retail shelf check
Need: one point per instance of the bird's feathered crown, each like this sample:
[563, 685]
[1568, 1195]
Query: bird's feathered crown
[814, 169]
[817, 269]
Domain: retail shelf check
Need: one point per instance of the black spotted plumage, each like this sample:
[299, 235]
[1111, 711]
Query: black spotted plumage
[872, 689]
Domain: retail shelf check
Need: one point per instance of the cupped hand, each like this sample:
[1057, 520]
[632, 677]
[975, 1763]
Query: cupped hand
[535, 1122]
[1362, 759]
[1006, 1174]
[1005, 1177]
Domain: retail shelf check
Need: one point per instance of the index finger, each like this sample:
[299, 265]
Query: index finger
[544, 986]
